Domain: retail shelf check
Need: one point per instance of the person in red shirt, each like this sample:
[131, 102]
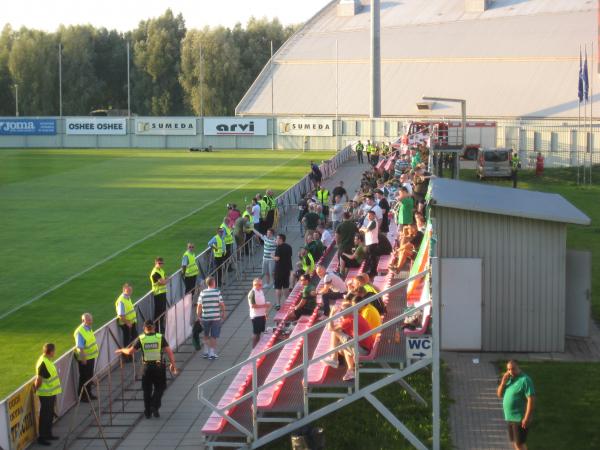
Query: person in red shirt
[341, 333]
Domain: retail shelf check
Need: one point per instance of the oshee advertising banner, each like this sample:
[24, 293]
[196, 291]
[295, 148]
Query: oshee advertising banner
[21, 415]
[165, 126]
[96, 125]
[306, 127]
[234, 126]
[27, 127]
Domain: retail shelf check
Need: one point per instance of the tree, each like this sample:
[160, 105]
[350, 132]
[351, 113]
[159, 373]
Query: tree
[33, 64]
[7, 99]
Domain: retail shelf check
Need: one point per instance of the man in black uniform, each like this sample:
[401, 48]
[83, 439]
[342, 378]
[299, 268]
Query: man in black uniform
[154, 378]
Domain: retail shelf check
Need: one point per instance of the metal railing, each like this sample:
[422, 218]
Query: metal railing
[179, 318]
[303, 366]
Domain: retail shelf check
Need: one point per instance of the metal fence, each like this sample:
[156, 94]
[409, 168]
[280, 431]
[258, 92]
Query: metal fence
[17, 418]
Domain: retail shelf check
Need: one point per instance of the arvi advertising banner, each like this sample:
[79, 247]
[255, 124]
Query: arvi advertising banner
[27, 127]
[96, 125]
[306, 127]
[234, 126]
[165, 126]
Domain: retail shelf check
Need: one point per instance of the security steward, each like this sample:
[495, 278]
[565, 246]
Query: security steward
[271, 206]
[228, 238]
[154, 377]
[189, 268]
[515, 165]
[47, 386]
[126, 315]
[323, 198]
[158, 281]
[359, 151]
[264, 210]
[86, 352]
[248, 228]
[217, 244]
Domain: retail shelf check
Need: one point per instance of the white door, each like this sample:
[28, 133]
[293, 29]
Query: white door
[460, 292]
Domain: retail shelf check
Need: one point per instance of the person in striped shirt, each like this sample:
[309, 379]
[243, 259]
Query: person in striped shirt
[268, 266]
[211, 311]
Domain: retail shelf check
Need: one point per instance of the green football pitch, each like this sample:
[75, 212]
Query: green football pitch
[77, 223]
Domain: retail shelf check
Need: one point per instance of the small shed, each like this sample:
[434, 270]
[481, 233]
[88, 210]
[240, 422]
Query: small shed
[517, 240]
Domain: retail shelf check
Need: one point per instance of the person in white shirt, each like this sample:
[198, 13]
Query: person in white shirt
[326, 235]
[371, 231]
[259, 309]
[406, 183]
[333, 288]
[370, 205]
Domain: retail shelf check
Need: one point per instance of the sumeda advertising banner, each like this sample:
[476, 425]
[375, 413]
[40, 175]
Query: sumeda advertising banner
[165, 126]
[234, 126]
[96, 125]
[27, 127]
[306, 127]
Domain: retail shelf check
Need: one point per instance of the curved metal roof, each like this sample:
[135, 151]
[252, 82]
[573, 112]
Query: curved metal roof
[520, 58]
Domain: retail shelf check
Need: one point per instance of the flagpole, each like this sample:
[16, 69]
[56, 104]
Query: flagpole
[579, 99]
[591, 81]
[584, 124]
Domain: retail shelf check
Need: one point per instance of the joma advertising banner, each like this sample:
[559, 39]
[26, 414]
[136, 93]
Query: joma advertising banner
[306, 127]
[27, 127]
[234, 126]
[96, 125]
[165, 126]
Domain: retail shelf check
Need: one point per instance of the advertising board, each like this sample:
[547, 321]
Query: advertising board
[27, 127]
[306, 127]
[96, 125]
[181, 126]
[234, 126]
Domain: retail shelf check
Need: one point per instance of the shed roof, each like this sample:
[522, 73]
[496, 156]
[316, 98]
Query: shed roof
[517, 59]
[506, 201]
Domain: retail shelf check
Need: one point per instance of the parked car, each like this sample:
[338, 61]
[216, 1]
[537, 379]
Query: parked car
[493, 163]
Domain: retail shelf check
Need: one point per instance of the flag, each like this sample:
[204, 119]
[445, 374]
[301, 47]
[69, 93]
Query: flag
[580, 79]
[584, 78]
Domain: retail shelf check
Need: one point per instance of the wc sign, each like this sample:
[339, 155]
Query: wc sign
[418, 347]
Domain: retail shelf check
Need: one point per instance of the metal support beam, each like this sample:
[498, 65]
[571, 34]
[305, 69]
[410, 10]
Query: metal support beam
[435, 329]
[375, 94]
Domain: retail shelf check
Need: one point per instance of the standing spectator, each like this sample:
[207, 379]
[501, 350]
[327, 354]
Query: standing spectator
[256, 214]
[283, 268]
[217, 244]
[314, 246]
[239, 232]
[47, 387]
[269, 199]
[189, 269]
[371, 231]
[311, 219]
[302, 211]
[415, 159]
[232, 214]
[344, 234]
[259, 309]
[307, 261]
[228, 238]
[515, 165]
[340, 191]
[211, 310]
[518, 402]
[405, 208]
[385, 211]
[126, 316]
[268, 265]
[159, 280]
[315, 173]
[337, 212]
[248, 227]
[86, 352]
[539, 165]
[421, 184]
[359, 151]
[406, 183]
[326, 236]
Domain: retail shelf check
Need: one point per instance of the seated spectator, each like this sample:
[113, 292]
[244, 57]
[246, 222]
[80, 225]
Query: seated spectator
[410, 240]
[368, 312]
[384, 247]
[363, 282]
[314, 245]
[341, 333]
[420, 221]
[326, 235]
[308, 301]
[333, 288]
[357, 256]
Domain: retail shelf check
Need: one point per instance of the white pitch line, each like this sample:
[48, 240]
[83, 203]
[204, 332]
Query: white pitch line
[139, 241]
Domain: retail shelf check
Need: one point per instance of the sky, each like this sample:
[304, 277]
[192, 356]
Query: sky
[125, 15]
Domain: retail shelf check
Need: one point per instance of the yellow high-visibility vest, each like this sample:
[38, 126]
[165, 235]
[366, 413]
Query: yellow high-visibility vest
[50, 386]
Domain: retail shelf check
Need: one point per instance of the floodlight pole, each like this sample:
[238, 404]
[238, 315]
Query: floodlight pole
[272, 101]
[463, 113]
[337, 117]
[60, 97]
[128, 83]
[16, 100]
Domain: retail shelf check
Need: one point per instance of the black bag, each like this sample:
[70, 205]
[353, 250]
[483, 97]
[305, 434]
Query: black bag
[196, 332]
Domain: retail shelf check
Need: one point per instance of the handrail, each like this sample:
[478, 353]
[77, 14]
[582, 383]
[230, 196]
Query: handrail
[304, 335]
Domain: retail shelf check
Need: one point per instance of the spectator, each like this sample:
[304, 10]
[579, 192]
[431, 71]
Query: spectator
[341, 333]
[315, 173]
[302, 211]
[518, 402]
[405, 208]
[359, 151]
[256, 214]
[421, 185]
[322, 194]
[371, 231]
[239, 231]
[232, 214]
[356, 257]
[344, 234]
[283, 268]
[333, 288]
[217, 244]
[339, 191]
[268, 265]
[259, 310]
[308, 301]
[211, 311]
[337, 212]
[314, 246]
[405, 181]
[326, 236]
[311, 219]
[383, 204]
[307, 261]
[421, 223]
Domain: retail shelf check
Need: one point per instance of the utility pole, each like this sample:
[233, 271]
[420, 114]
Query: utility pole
[17, 100]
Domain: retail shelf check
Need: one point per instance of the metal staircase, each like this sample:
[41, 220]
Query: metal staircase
[251, 425]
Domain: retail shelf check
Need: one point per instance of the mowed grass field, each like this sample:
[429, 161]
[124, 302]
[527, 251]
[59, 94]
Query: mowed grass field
[64, 211]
